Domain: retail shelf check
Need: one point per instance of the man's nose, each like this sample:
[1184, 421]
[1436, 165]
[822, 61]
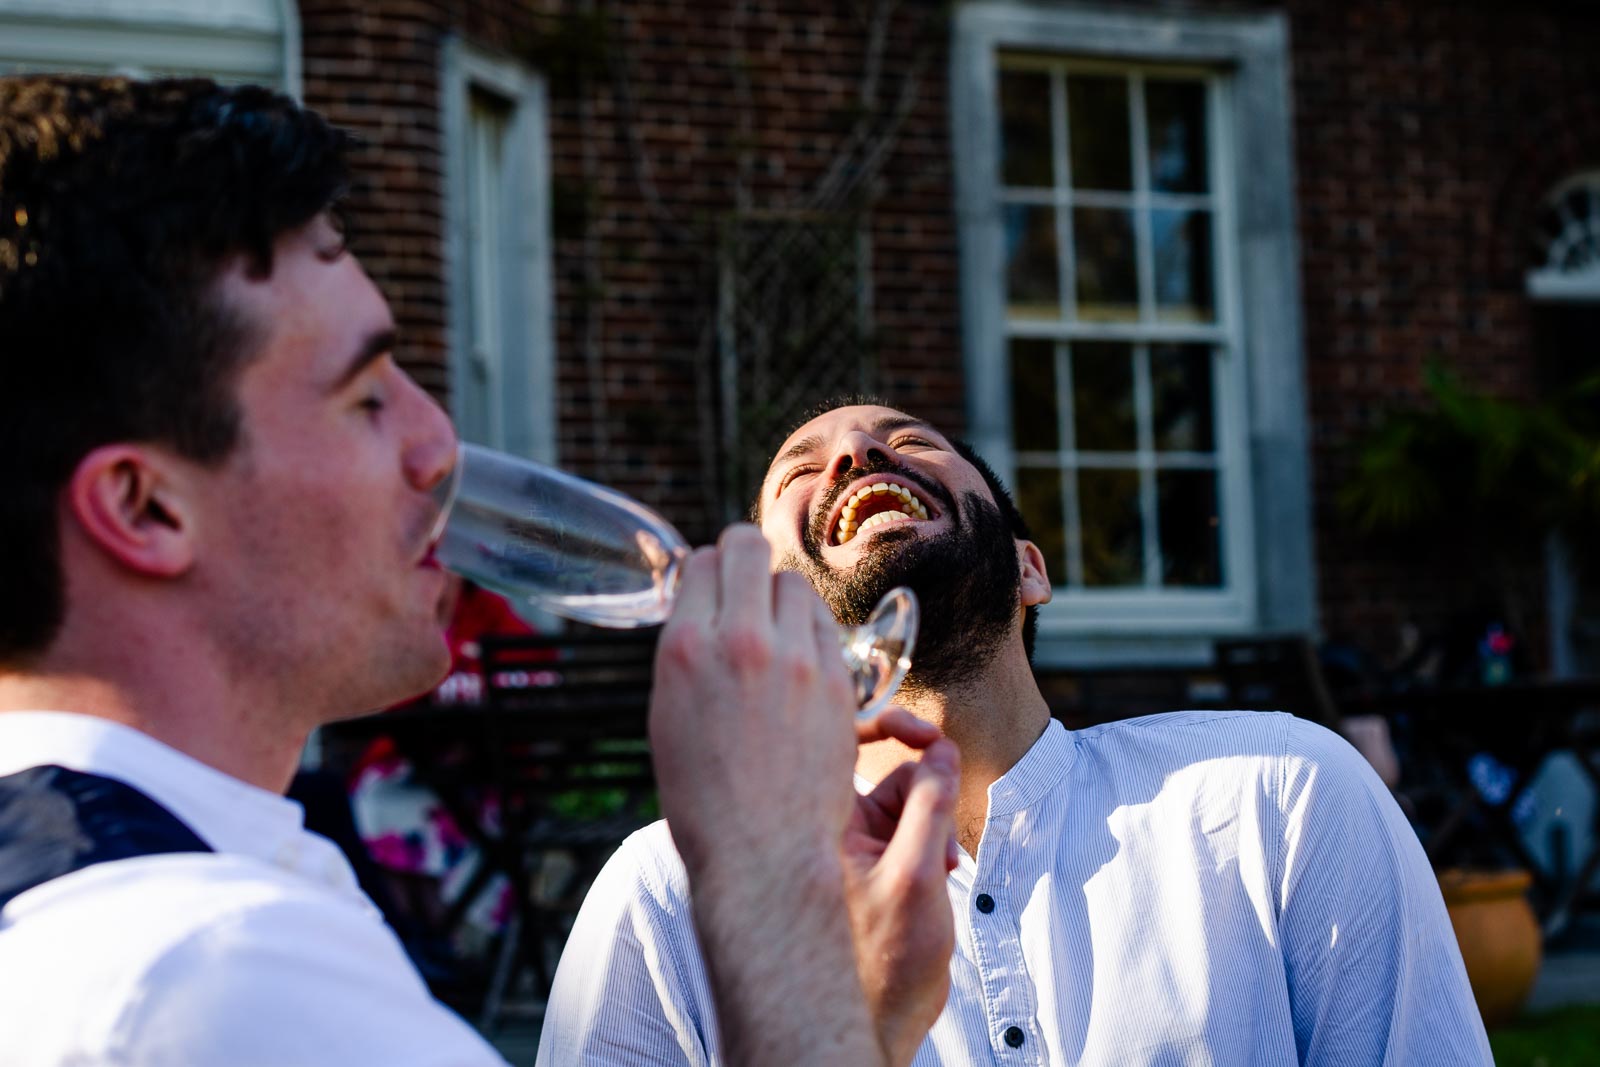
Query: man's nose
[431, 447]
[857, 449]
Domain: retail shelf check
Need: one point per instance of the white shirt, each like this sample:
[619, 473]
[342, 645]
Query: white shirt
[264, 953]
[1194, 888]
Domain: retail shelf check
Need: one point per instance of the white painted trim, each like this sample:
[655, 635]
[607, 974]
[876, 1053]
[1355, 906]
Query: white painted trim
[259, 16]
[289, 25]
[231, 55]
[527, 324]
[1100, 651]
[1565, 286]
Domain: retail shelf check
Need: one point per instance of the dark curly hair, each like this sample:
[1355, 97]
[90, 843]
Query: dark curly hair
[120, 202]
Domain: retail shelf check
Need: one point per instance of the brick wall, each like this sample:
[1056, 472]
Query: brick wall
[665, 116]
[1426, 134]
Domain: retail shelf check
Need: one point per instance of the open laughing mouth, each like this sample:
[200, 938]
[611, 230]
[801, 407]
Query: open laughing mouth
[878, 501]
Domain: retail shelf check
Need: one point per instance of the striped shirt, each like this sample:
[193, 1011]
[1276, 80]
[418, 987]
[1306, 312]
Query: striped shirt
[1224, 888]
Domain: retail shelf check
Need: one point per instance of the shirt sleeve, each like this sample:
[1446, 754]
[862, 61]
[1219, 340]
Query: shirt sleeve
[1374, 972]
[295, 980]
[631, 989]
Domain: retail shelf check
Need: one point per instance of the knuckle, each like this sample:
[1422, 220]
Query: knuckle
[682, 646]
[748, 650]
[799, 670]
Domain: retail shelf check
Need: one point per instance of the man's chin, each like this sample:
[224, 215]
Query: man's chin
[416, 674]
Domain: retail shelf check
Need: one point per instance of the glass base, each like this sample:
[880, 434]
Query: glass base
[878, 652]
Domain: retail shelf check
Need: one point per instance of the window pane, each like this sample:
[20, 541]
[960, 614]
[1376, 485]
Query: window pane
[1097, 131]
[1180, 381]
[1176, 121]
[1113, 544]
[1108, 275]
[1025, 144]
[1182, 244]
[1035, 423]
[1032, 275]
[1103, 409]
[1039, 500]
[1190, 528]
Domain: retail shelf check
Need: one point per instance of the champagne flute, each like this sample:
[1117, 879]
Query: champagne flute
[586, 552]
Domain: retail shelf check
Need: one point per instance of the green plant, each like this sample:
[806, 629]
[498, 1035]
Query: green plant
[1566, 1038]
[1498, 473]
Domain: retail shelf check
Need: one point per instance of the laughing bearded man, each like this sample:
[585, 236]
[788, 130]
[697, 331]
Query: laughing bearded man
[1188, 888]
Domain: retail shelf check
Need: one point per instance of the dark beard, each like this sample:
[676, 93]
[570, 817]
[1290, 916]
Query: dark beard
[967, 580]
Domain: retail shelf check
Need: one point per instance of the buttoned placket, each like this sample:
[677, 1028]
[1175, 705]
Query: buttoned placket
[1009, 998]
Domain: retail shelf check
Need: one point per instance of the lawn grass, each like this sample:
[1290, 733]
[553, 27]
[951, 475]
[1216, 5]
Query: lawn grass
[1569, 1037]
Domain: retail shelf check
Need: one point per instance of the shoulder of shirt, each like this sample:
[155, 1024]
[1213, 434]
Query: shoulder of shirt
[1295, 748]
[649, 861]
[214, 879]
[139, 908]
[644, 877]
[217, 949]
[1289, 734]
[112, 925]
[1189, 727]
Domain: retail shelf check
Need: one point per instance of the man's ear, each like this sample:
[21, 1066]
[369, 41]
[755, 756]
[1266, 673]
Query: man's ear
[128, 503]
[1035, 580]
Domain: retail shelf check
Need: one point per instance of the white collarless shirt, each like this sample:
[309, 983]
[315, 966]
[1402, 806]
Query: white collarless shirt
[263, 953]
[1189, 889]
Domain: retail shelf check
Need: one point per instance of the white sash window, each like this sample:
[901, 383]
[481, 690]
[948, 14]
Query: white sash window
[1131, 317]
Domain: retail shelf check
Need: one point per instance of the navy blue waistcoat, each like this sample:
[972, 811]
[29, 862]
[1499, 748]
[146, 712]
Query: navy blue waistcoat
[54, 821]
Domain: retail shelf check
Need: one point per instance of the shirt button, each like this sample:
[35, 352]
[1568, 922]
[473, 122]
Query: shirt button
[985, 903]
[1014, 1036]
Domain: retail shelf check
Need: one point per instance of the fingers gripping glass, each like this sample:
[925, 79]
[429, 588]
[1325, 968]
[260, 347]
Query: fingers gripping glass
[589, 553]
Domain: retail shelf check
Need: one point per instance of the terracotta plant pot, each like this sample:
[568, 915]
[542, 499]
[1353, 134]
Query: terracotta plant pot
[1499, 937]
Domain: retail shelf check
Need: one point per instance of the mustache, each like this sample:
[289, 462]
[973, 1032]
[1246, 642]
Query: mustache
[816, 532]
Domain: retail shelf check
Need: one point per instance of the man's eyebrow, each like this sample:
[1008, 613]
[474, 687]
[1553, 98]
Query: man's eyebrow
[803, 447]
[374, 348]
[902, 422]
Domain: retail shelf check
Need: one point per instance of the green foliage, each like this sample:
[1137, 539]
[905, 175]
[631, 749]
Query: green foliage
[1566, 1038]
[1502, 472]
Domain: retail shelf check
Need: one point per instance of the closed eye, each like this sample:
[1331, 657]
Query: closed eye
[901, 442]
[795, 472]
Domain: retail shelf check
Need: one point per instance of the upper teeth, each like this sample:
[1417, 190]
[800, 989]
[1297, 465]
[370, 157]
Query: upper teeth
[910, 508]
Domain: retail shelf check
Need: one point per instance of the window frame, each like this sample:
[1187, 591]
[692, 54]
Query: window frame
[254, 41]
[1259, 400]
[525, 420]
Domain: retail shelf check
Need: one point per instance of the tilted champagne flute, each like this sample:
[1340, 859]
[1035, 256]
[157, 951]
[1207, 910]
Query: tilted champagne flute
[590, 553]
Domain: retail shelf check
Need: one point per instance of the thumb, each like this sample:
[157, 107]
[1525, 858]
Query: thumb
[922, 834]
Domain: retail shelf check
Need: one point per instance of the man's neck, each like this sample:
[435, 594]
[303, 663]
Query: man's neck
[994, 717]
[260, 752]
